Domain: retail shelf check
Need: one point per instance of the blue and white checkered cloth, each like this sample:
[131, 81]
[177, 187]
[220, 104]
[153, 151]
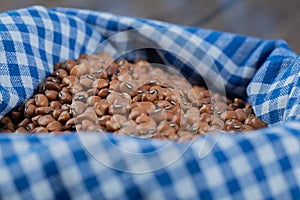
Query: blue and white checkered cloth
[262, 164]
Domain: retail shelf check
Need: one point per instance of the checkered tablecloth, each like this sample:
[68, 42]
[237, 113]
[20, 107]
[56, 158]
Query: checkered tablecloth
[262, 164]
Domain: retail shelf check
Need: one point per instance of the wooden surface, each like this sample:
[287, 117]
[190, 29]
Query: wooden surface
[269, 19]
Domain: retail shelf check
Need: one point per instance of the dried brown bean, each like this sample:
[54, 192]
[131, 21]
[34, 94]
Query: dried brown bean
[112, 70]
[103, 119]
[69, 79]
[54, 126]
[21, 130]
[89, 114]
[239, 103]
[158, 115]
[126, 88]
[24, 122]
[64, 117]
[121, 119]
[78, 70]
[232, 125]
[205, 108]
[112, 125]
[60, 73]
[205, 117]
[103, 93]
[241, 115]
[52, 95]
[80, 96]
[35, 119]
[15, 116]
[137, 111]
[219, 107]
[217, 122]
[55, 104]
[100, 83]
[117, 109]
[51, 86]
[44, 120]
[255, 122]
[92, 100]
[101, 107]
[40, 130]
[87, 125]
[75, 87]
[30, 126]
[43, 110]
[65, 97]
[6, 120]
[56, 113]
[29, 102]
[29, 111]
[247, 128]
[119, 98]
[66, 107]
[229, 115]
[68, 64]
[87, 80]
[77, 107]
[203, 127]
[70, 124]
[41, 100]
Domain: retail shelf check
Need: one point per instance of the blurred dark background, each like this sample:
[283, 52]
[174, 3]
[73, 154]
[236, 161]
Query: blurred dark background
[269, 19]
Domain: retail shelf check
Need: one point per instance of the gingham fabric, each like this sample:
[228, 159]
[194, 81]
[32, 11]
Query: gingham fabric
[262, 164]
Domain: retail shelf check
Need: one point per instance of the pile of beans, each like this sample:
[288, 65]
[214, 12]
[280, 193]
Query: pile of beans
[97, 94]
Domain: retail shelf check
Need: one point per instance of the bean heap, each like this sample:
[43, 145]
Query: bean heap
[97, 94]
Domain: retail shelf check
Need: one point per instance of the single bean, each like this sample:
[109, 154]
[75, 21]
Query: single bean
[77, 107]
[103, 119]
[205, 117]
[64, 117]
[255, 122]
[87, 81]
[60, 73]
[75, 87]
[30, 126]
[117, 109]
[35, 119]
[80, 96]
[89, 114]
[51, 86]
[70, 124]
[78, 70]
[69, 79]
[241, 115]
[55, 104]
[57, 112]
[29, 102]
[29, 111]
[229, 115]
[52, 95]
[21, 130]
[23, 123]
[100, 83]
[92, 100]
[101, 107]
[44, 120]
[65, 97]
[40, 130]
[41, 100]
[232, 124]
[43, 110]
[54, 126]
[103, 93]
